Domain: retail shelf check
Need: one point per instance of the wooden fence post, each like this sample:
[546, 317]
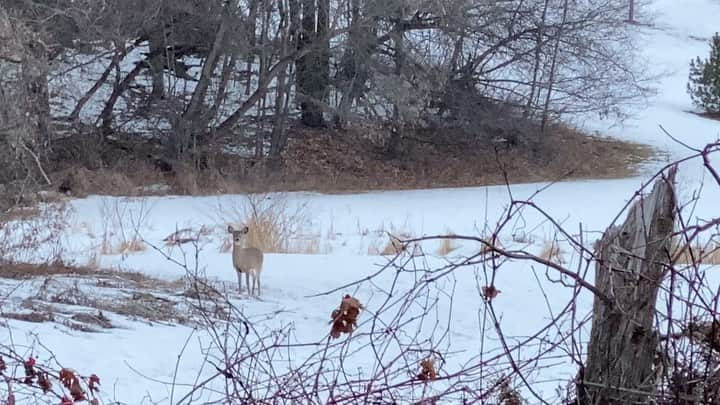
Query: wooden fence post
[630, 268]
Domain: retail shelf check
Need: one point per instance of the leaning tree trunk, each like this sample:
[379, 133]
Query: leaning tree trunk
[631, 266]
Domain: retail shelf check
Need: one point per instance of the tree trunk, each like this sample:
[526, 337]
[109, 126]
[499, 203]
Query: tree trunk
[392, 149]
[195, 118]
[313, 68]
[354, 67]
[539, 40]
[278, 137]
[252, 42]
[263, 69]
[632, 264]
[24, 101]
[157, 61]
[37, 102]
[118, 56]
[551, 75]
[106, 115]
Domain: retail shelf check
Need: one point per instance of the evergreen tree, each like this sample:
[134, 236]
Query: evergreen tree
[704, 84]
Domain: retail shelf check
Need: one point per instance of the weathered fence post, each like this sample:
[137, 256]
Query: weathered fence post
[631, 265]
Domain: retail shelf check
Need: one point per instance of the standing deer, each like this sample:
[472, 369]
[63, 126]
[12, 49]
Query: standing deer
[248, 260]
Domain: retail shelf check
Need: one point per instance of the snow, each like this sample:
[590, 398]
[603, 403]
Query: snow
[680, 33]
[137, 361]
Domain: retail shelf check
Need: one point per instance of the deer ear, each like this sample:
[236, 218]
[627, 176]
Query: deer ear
[245, 230]
[230, 229]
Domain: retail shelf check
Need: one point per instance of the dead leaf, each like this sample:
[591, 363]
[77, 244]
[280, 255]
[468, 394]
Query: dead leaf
[344, 319]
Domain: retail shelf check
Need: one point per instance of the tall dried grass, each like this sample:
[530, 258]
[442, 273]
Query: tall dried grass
[448, 245]
[393, 247]
[122, 220]
[275, 226]
[552, 251]
[34, 234]
[695, 253]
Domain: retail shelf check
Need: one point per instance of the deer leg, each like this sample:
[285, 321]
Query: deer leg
[239, 282]
[247, 281]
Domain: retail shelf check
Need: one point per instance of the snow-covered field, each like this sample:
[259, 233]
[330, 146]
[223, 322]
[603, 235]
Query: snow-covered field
[158, 362]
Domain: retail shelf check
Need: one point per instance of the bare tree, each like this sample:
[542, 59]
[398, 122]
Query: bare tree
[175, 70]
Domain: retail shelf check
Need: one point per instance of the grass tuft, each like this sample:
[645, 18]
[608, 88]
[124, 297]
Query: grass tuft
[132, 246]
[274, 225]
[552, 251]
[696, 254]
[448, 245]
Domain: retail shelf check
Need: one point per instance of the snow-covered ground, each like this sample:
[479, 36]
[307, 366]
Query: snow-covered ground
[138, 360]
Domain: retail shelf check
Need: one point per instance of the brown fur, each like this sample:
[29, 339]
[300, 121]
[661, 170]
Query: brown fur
[248, 260]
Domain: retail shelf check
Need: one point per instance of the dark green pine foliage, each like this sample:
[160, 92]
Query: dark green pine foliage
[704, 80]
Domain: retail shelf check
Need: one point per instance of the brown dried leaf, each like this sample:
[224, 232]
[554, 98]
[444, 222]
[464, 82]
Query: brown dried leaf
[344, 319]
[427, 370]
[30, 371]
[490, 292]
[72, 383]
[44, 382]
[93, 382]
[67, 377]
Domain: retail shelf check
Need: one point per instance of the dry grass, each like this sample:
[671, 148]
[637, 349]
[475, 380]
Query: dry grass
[33, 316]
[24, 271]
[36, 235]
[393, 247]
[274, 225]
[448, 245]
[106, 247]
[372, 250]
[396, 245]
[353, 160]
[132, 246]
[310, 245]
[522, 237]
[94, 261]
[488, 244]
[122, 222]
[126, 293]
[267, 233]
[329, 160]
[552, 251]
[696, 254]
[19, 214]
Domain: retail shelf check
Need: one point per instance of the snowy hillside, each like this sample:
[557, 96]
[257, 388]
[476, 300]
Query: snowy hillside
[338, 239]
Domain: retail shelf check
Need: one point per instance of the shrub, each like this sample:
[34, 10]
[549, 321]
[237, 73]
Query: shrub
[704, 79]
[276, 226]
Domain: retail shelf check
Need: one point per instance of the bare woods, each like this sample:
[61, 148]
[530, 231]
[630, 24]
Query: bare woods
[201, 80]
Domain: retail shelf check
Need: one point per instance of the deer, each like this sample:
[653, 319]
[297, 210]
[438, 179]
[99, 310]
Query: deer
[248, 260]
